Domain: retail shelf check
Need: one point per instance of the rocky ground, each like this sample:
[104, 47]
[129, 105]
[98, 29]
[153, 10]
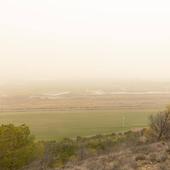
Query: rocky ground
[155, 156]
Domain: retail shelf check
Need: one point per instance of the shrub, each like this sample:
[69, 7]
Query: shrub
[62, 152]
[17, 147]
[160, 125]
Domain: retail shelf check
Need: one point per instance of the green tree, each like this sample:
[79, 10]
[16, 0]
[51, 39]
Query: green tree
[17, 147]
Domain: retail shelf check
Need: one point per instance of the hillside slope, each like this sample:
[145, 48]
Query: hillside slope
[155, 156]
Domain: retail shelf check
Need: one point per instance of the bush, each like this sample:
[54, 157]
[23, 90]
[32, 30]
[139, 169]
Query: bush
[61, 152]
[17, 147]
[160, 125]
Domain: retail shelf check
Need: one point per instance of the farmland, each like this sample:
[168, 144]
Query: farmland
[59, 124]
[53, 116]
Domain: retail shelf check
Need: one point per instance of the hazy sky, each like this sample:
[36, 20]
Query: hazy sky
[84, 39]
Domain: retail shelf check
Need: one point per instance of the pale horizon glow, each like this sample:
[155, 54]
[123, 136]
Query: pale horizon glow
[84, 40]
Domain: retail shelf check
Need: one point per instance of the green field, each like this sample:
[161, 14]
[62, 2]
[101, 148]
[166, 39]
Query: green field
[56, 125]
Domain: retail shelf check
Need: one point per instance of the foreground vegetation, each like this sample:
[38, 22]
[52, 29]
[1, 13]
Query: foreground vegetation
[17, 147]
[19, 150]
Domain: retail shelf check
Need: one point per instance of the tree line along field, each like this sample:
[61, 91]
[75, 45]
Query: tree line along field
[76, 115]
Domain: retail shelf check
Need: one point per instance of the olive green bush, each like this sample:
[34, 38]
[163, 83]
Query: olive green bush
[17, 147]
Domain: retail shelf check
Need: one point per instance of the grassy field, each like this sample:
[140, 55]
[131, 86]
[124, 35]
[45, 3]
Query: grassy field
[59, 124]
[80, 113]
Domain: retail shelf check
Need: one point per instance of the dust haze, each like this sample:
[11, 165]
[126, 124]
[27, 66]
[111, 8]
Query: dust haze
[91, 41]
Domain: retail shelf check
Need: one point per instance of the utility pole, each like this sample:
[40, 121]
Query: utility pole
[123, 123]
[1, 104]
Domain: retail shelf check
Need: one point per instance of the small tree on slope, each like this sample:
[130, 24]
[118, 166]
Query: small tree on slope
[160, 124]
